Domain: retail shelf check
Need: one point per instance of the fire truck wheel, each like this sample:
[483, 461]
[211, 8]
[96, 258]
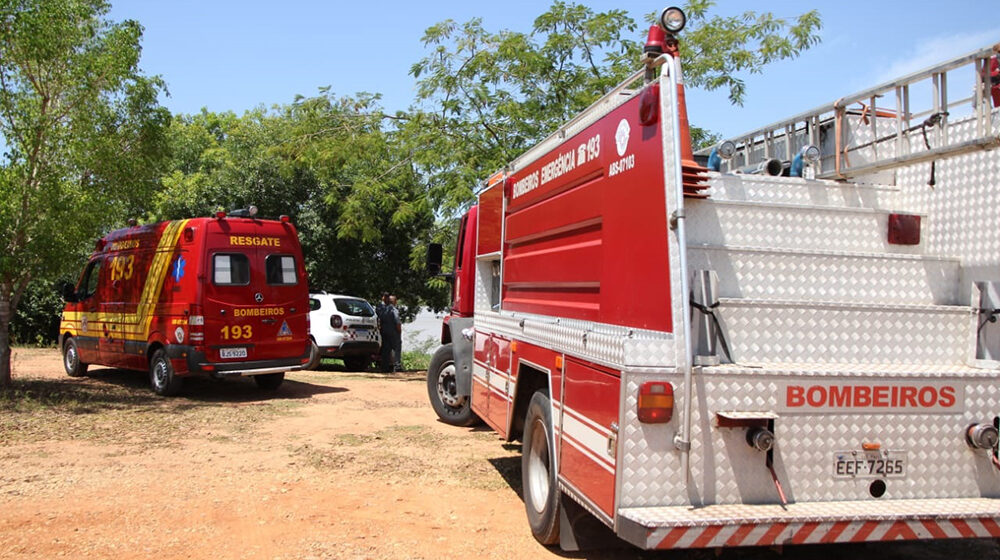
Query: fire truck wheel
[71, 359]
[161, 375]
[269, 381]
[442, 388]
[538, 475]
[313, 355]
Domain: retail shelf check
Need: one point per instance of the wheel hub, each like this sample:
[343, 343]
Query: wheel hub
[160, 374]
[447, 387]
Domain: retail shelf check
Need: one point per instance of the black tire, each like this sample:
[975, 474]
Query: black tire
[71, 359]
[313, 356]
[269, 381]
[538, 475]
[162, 378]
[357, 363]
[442, 389]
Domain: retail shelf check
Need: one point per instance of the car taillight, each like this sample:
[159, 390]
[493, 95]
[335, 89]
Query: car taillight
[196, 325]
[656, 402]
[336, 322]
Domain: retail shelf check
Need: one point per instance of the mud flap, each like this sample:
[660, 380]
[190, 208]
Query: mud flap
[461, 348]
[581, 531]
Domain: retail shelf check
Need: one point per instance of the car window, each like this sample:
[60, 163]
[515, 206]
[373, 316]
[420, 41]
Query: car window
[89, 284]
[314, 304]
[281, 270]
[355, 307]
[231, 269]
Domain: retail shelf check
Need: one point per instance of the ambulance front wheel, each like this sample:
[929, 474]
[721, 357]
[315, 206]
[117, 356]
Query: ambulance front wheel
[71, 359]
[538, 474]
[161, 375]
[442, 388]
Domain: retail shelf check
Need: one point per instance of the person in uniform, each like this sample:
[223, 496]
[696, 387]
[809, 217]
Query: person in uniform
[388, 324]
[397, 349]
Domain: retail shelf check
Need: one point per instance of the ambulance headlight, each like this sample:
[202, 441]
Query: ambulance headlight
[672, 19]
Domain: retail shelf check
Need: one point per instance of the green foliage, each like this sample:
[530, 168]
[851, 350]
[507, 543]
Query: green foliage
[483, 98]
[329, 163]
[83, 133]
[37, 319]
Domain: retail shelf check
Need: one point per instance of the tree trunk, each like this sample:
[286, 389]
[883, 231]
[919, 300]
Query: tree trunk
[6, 313]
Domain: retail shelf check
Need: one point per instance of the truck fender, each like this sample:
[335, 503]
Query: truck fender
[462, 349]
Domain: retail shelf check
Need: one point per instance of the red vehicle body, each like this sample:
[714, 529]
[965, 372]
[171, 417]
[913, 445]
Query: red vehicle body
[807, 411]
[214, 296]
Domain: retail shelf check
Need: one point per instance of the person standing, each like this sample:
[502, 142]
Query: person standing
[397, 349]
[388, 324]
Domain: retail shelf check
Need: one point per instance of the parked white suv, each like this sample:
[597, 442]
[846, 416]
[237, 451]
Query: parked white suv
[343, 327]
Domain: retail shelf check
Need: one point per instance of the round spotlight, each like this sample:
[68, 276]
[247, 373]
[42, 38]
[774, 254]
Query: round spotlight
[672, 19]
[252, 210]
[726, 149]
[982, 436]
[810, 153]
[760, 439]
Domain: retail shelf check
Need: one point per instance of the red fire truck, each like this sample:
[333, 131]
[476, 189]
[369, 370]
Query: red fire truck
[217, 296]
[797, 345]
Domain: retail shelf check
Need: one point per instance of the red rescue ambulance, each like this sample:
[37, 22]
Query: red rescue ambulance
[760, 352]
[218, 296]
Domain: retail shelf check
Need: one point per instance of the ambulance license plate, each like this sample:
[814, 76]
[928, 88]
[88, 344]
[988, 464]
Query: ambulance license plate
[232, 353]
[869, 464]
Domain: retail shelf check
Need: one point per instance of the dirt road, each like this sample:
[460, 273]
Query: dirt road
[335, 465]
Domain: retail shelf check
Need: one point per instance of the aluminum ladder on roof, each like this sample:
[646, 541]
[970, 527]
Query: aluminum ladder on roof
[859, 137]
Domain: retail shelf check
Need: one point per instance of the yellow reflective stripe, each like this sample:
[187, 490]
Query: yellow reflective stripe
[154, 282]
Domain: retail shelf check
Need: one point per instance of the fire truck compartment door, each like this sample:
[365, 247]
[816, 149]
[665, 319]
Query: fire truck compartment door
[461, 348]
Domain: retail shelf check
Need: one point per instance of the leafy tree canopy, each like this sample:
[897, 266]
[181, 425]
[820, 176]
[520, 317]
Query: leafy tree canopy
[82, 129]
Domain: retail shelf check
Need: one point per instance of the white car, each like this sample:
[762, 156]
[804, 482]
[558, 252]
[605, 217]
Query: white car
[343, 327]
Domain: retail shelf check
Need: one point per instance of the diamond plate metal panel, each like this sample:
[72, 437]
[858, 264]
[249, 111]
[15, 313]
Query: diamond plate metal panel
[789, 190]
[749, 272]
[725, 470]
[963, 207]
[778, 331]
[749, 224]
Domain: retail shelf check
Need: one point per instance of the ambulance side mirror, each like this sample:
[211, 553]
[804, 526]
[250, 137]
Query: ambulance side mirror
[68, 292]
[434, 256]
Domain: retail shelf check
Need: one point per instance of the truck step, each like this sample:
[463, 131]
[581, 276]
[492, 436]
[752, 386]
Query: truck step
[715, 526]
[804, 331]
[788, 190]
[809, 275]
[790, 226]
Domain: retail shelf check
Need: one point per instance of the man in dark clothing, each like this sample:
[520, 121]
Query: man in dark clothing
[388, 322]
[397, 350]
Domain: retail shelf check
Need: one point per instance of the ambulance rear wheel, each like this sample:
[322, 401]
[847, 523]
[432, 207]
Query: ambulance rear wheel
[71, 359]
[269, 381]
[538, 474]
[162, 377]
[442, 388]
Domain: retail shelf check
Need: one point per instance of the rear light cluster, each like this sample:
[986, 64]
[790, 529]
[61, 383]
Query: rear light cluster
[656, 402]
[336, 322]
[196, 325]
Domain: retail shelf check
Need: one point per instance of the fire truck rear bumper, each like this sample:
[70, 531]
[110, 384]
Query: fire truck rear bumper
[809, 523]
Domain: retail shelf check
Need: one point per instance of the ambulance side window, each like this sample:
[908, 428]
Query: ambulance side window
[88, 286]
[230, 269]
[281, 270]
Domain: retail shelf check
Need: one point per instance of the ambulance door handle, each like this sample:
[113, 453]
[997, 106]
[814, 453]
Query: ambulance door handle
[267, 321]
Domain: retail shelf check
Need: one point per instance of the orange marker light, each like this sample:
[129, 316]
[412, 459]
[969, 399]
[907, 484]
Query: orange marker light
[656, 402]
[559, 362]
[513, 346]
[871, 446]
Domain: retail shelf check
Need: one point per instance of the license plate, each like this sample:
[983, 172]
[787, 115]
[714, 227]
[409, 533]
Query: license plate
[869, 464]
[232, 353]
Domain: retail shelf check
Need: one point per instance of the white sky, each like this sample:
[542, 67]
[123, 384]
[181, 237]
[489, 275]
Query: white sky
[235, 55]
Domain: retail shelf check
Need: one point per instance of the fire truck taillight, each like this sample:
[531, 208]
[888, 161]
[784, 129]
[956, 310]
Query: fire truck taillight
[336, 322]
[196, 325]
[656, 402]
[981, 436]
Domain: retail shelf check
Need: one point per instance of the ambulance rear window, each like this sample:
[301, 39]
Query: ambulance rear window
[231, 269]
[281, 270]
